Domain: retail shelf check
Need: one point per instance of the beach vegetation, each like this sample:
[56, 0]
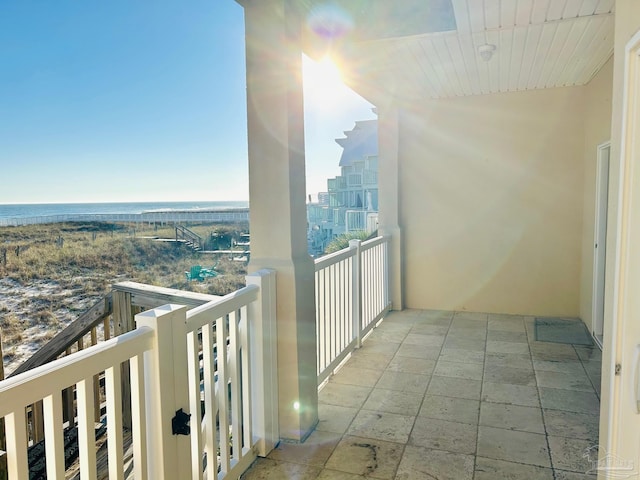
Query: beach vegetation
[54, 272]
[342, 241]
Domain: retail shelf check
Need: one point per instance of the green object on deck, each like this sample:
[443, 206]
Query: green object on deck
[199, 273]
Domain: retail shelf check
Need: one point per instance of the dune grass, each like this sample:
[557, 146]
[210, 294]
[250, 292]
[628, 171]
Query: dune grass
[92, 256]
[49, 268]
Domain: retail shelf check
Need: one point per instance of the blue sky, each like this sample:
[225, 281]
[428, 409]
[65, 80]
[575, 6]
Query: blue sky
[138, 101]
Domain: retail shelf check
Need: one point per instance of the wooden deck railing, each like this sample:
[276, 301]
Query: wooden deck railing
[189, 237]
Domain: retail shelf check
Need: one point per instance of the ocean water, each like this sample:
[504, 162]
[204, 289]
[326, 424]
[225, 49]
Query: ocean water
[15, 211]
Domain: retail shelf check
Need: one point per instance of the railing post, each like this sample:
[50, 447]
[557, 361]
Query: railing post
[264, 361]
[123, 323]
[357, 291]
[387, 295]
[166, 391]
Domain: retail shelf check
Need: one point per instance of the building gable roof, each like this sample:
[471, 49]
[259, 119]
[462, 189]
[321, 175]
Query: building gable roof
[359, 143]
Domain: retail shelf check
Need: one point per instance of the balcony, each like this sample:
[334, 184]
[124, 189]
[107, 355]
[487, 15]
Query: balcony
[366, 178]
[370, 178]
[354, 180]
[182, 391]
[452, 395]
[336, 184]
[361, 220]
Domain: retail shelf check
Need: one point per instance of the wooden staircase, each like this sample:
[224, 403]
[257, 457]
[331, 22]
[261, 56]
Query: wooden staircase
[189, 238]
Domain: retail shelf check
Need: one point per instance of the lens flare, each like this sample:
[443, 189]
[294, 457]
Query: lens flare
[329, 21]
[323, 84]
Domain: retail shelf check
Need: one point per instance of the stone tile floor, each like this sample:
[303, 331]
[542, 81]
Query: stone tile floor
[451, 396]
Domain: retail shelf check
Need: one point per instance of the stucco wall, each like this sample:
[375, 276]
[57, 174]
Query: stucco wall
[491, 200]
[597, 131]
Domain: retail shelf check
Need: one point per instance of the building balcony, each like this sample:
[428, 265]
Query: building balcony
[366, 178]
[186, 389]
[451, 395]
[354, 180]
[401, 395]
[336, 184]
[370, 178]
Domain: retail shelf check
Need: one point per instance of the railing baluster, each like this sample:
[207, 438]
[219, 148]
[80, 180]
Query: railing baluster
[37, 422]
[326, 319]
[331, 318]
[327, 312]
[367, 283]
[357, 292]
[113, 388]
[223, 395]
[319, 329]
[96, 380]
[86, 430]
[68, 413]
[234, 375]
[245, 373]
[54, 444]
[193, 364]
[16, 440]
[210, 404]
[138, 416]
[107, 328]
[122, 323]
[340, 326]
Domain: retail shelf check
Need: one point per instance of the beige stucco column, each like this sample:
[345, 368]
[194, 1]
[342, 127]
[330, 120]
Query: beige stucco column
[389, 201]
[277, 201]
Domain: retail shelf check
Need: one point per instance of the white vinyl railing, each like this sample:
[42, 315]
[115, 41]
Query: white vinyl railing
[374, 281]
[352, 295]
[370, 177]
[216, 363]
[361, 220]
[354, 179]
[47, 382]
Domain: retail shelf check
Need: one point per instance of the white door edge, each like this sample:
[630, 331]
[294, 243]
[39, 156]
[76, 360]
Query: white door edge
[612, 342]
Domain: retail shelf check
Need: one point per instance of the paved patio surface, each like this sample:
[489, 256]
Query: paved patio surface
[451, 396]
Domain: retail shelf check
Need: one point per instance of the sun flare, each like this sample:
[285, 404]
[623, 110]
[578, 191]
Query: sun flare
[323, 84]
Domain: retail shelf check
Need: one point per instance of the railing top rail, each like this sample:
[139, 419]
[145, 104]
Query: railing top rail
[189, 234]
[333, 258]
[199, 316]
[69, 335]
[29, 387]
[374, 242]
[150, 296]
[142, 295]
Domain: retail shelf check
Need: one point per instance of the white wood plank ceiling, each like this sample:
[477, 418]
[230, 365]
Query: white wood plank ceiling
[538, 44]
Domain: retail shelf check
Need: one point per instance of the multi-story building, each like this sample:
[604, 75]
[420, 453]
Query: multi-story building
[351, 201]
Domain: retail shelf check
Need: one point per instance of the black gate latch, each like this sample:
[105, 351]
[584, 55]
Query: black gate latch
[180, 423]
